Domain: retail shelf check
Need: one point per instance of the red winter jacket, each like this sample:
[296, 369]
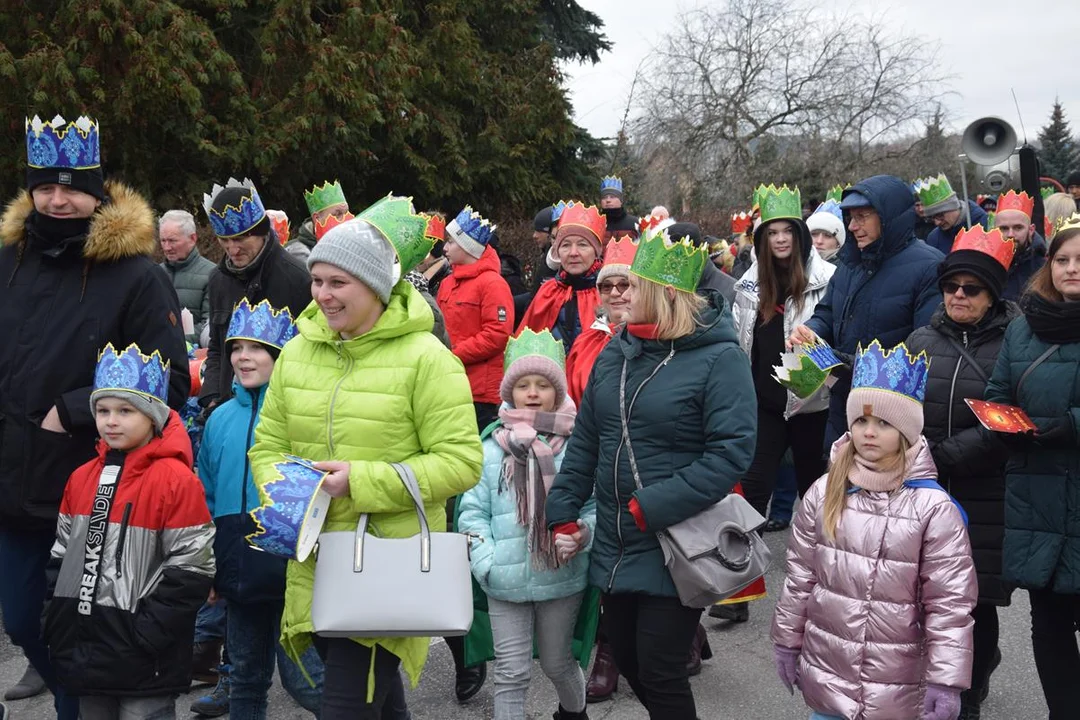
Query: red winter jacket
[479, 312]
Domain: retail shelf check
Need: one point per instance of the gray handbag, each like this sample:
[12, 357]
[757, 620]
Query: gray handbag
[368, 586]
[714, 554]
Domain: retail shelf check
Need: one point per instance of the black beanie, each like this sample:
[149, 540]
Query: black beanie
[678, 231]
[1074, 179]
[91, 181]
[977, 263]
[543, 220]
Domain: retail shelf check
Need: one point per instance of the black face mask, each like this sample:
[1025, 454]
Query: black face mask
[614, 213]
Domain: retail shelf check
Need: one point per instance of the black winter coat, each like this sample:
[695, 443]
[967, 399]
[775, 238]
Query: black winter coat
[275, 275]
[60, 304]
[970, 463]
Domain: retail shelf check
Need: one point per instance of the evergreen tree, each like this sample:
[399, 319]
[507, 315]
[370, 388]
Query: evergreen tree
[1059, 155]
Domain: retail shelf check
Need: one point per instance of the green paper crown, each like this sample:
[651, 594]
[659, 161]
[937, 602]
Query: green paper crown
[403, 227]
[324, 196]
[678, 265]
[934, 190]
[836, 193]
[1047, 191]
[778, 203]
[539, 344]
[755, 201]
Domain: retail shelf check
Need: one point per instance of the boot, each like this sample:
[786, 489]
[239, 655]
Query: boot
[30, 685]
[216, 703]
[732, 612]
[3, 712]
[469, 681]
[205, 658]
[565, 714]
[969, 707]
[699, 650]
[604, 680]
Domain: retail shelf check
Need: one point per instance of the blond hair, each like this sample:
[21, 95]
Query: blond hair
[674, 318]
[1058, 207]
[838, 483]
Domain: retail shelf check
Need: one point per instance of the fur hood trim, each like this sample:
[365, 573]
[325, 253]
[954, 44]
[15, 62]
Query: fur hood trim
[124, 226]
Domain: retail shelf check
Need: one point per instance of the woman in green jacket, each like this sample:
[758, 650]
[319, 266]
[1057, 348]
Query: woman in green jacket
[364, 385]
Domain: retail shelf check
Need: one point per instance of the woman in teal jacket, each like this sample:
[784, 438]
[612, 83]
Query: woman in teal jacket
[677, 376]
[529, 580]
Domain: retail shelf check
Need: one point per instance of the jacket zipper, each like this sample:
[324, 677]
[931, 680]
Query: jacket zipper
[952, 395]
[333, 399]
[122, 540]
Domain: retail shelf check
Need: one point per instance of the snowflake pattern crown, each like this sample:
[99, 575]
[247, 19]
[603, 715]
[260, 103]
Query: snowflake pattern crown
[779, 203]
[672, 264]
[529, 343]
[934, 190]
[262, 324]
[234, 221]
[894, 370]
[58, 143]
[403, 227]
[132, 371]
[323, 196]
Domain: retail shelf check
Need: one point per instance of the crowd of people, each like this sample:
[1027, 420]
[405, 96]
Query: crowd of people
[565, 420]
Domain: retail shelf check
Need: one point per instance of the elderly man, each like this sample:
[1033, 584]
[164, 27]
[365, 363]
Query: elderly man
[941, 205]
[187, 269]
[885, 285]
[1013, 219]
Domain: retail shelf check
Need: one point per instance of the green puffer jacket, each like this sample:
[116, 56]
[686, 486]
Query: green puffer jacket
[1042, 483]
[191, 278]
[394, 394]
[693, 427]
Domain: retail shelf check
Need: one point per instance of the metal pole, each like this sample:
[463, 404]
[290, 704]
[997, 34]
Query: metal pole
[963, 183]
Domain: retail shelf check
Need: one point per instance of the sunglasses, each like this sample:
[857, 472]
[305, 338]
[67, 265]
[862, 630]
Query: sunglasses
[607, 287]
[950, 288]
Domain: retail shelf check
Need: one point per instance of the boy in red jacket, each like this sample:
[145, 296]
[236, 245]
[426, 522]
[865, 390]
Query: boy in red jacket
[133, 559]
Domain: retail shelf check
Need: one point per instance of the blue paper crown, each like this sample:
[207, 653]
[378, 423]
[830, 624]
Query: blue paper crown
[832, 207]
[473, 227]
[233, 221]
[610, 182]
[132, 371]
[823, 356]
[262, 324]
[59, 143]
[285, 502]
[893, 370]
[558, 208]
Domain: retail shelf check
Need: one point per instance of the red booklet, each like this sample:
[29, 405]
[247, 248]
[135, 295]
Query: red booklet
[1001, 418]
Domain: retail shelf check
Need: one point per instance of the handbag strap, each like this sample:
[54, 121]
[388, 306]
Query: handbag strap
[624, 411]
[1038, 361]
[970, 360]
[412, 486]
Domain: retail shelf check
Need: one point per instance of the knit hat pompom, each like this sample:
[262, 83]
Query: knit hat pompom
[902, 412]
[151, 407]
[534, 365]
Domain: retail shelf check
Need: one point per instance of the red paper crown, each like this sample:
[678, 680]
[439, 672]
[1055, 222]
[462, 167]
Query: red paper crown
[741, 222]
[648, 223]
[1013, 201]
[280, 222]
[332, 221]
[620, 251]
[991, 243]
[436, 228]
[586, 217]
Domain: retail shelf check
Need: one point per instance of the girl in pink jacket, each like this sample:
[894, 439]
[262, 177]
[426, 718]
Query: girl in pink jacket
[874, 620]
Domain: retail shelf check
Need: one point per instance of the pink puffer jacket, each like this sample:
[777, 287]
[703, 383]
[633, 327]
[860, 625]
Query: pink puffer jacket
[884, 609]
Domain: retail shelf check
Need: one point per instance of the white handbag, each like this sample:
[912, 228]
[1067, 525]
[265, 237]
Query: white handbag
[369, 586]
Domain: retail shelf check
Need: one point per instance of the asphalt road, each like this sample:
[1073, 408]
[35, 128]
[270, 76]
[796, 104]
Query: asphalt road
[739, 683]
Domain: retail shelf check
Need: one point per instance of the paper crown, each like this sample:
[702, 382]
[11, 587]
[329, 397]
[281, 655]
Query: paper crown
[586, 217]
[59, 143]
[991, 243]
[678, 265]
[620, 252]
[741, 222]
[779, 203]
[292, 510]
[332, 221]
[893, 370]
[653, 223]
[805, 370]
[323, 196]
[280, 222]
[557, 210]
[404, 228]
[836, 193]
[1068, 223]
[233, 221]
[538, 344]
[1016, 201]
[755, 201]
[1047, 190]
[131, 371]
[262, 324]
[436, 228]
[832, 207]
[934, 190]
[611, 183]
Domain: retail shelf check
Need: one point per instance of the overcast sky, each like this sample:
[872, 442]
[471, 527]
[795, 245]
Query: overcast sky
[982, 47]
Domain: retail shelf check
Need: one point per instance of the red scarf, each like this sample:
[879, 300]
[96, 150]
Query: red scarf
[645, 331]
[544, 309]
[582, 357]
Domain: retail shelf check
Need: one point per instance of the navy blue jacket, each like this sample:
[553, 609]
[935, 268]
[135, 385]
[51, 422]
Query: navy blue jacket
[1025, 264]
[943, 240]
[882, 292]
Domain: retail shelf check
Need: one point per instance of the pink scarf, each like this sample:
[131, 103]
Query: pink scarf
[868, 476]
[530, 440]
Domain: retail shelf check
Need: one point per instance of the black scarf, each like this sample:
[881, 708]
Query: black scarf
[1057, 323]
[49, 233]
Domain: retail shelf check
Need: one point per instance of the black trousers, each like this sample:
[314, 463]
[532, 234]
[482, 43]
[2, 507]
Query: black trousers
[1054, 621]
[803, 434]
[345, 684]
[650, 640]
[985, 642]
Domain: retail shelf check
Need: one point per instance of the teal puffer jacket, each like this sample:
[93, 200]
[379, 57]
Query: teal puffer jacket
[693, 427]
[1042, 483]
[501, 562]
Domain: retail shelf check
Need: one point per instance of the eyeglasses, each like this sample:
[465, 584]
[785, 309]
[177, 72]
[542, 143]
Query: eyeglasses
[950, 288]
[606, 287]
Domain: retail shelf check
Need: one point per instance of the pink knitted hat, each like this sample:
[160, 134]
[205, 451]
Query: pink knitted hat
[532, 353]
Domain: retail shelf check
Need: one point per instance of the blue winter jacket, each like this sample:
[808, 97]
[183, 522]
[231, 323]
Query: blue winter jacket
[502, 563]
[882, 292]
[244, 574]
[943, 240]
[1025, 264]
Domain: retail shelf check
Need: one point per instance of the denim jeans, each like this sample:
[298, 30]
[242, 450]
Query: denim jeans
[101, 707]
[23, 555]
[253, 646]
[348, 665]
[782, 506]
[815, 715]
[210, 622]
[514, 627]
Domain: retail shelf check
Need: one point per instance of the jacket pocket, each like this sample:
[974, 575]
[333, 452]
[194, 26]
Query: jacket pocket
[52, 457]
